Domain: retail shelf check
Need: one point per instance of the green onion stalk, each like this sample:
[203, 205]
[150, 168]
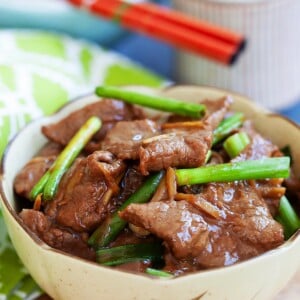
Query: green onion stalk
[236, 143]
[287, 217]
[227, 126]
[128, 253]
[184, 108]
[277, 167]
[158, 273]
[50, 180]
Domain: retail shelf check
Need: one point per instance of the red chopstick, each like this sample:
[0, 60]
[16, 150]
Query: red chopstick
[197, 36]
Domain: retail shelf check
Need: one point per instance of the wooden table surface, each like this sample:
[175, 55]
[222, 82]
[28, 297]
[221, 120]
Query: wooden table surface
[292, 290]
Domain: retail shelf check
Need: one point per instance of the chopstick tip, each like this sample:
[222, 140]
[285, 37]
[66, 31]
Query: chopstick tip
[241, 48]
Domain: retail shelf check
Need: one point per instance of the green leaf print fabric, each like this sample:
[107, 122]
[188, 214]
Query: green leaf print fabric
[39, 72]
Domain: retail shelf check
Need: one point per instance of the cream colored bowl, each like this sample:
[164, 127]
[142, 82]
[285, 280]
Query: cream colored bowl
[65, 277]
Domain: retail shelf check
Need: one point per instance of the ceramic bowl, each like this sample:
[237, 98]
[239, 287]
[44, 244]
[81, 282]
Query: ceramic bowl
[63, 276]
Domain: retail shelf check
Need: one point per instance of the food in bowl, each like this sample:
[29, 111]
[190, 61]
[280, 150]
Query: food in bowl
[65, 276]
[164, 195]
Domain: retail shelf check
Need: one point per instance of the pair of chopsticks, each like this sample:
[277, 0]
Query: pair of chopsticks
[200, 37]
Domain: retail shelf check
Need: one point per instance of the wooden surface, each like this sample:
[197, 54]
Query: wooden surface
[292, 290]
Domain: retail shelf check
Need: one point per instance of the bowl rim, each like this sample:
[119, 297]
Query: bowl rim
[4, 200]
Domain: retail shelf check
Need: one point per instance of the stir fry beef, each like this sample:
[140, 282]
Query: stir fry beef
[244, 229]
[56, 237]
[201, 226]
[83, 194]
[125, 138]
[109, 111]
[30, 174]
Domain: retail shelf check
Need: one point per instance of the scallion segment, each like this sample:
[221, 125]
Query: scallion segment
[184, 108]
[287, 217]
[208, 156]
[128, 253]
[39, 187]
[113, 225]
[158, 273]
[236, 143]
[227, 126]
[49, 182]
[277, 167]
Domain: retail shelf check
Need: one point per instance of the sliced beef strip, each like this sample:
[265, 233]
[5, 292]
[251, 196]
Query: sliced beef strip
[125, 138]
[293, 186]
[50, 149]
[271, 190]
[175, 148]
[95, 143]
[246, 213]
[246, 228]
[183, 147]
[109, 111]
[259, 146]
[30, 174]
[216, 110]
[81, 202]
[177, 223]
[56, 237]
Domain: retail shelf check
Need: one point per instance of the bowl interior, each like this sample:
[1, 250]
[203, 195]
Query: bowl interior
[30, 140]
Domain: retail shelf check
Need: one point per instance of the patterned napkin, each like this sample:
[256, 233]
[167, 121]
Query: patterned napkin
[39, 72]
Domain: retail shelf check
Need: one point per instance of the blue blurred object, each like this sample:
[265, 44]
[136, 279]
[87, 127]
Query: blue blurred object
[59, 16]
[152, 54]
[292, 112]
